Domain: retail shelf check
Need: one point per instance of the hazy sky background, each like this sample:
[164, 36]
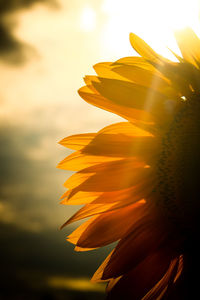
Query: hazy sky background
[46, 47]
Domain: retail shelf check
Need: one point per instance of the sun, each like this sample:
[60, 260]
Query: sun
[88, 19]
[153, 20]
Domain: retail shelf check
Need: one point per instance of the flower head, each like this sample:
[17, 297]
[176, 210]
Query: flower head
[138, 179]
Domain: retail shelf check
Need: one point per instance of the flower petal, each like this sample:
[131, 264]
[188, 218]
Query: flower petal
[77, 161]
[77, 141]
[118, 145]
[70, 198]
[158, 291]
[94, 209]
[106, 228]
[110, 176]
[105, 70]
[130, 95]
[126, 128]
[135, 61]
[143, 77]
[125, 196]
[142, 48]
[189, 45]
[130, 114]
[144, 239]
[137, 282]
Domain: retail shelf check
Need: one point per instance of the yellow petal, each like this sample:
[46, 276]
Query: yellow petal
[130, 114]
[77, 141]
[135, 61]
[106, 70]
[88, 80]
[129, 95]
[189, 45]
[147, 78]
[144, 50]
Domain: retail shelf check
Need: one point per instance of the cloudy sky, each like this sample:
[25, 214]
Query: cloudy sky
[46, 47]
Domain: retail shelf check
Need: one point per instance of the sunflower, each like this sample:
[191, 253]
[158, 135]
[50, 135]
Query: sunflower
[138, 179]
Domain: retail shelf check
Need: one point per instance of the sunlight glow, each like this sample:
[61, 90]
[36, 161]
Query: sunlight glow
[79, 284]
[88, 19]
[153, 20]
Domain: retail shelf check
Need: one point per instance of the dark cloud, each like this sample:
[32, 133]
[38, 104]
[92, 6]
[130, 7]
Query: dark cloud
[11, 49]
[28, 260]
[27, 172]
[10, 5]
[32, 247]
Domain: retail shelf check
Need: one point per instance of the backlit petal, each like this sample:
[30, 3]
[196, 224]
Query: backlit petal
[189, 45]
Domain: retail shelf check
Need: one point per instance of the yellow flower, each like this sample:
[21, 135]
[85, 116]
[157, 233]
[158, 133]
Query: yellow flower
[139, 179]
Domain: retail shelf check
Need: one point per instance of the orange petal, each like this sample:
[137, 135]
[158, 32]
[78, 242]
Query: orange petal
[87, 211]
[145, 238]
[78, 198]
[158, 291]
[77, 161]
[125, 128]
[75, 235]
[94, 209]
[118, 145]
[141, 190]
[109, 176]
[98, 274]
[107, 228]
[136, 283]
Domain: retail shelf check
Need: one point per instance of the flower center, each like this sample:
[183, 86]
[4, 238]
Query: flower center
[179, 167]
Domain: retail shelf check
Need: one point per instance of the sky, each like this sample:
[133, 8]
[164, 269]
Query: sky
[46, 48]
